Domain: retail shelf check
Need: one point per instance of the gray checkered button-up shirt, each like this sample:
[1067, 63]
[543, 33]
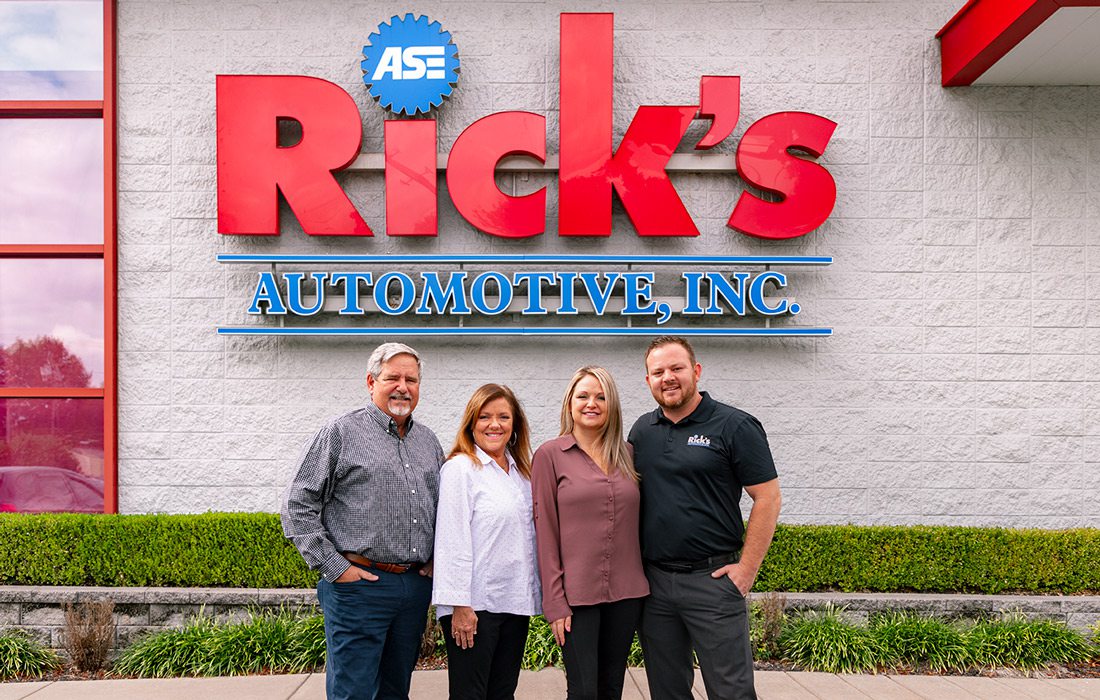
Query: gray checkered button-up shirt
[362, 488]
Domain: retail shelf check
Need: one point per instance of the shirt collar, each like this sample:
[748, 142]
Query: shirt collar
[486, 460]
[702, 412]
[386, 421]
[567, 442]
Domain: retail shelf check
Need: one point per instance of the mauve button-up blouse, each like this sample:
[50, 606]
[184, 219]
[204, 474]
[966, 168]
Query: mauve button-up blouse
[586, 525]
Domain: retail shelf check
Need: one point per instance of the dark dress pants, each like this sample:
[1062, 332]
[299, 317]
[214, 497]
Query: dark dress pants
[373, 631]
[595, 650]
[489, 670]
[686, 611]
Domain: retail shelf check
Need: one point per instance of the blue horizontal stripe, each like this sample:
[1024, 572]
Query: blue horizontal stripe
[529, 331]
[529, 259]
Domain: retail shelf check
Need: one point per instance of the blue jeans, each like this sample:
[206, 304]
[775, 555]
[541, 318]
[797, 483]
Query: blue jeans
[373, 631]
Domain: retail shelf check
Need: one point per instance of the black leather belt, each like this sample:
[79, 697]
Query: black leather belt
[691, 567]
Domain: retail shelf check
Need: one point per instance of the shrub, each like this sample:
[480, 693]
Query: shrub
[22, 657]
[1022, 643]
[248, 550]
[931, 559]
[268, 642]
[635, 657]
[168, 654]
[822, 641]
[767, 619]
[541, 650]
[918, 640]
[89, 632]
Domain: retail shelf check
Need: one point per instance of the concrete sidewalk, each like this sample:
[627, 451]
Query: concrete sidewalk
[432, 685]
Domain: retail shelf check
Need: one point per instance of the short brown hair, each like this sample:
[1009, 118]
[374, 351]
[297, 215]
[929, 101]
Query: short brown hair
[668, 340]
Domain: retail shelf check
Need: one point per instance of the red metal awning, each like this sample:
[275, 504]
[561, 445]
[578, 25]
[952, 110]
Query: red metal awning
[1022, 42]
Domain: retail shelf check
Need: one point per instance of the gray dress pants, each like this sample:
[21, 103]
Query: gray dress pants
[694, 611]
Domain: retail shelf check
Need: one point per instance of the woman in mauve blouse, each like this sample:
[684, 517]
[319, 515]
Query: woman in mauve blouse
[586, 525]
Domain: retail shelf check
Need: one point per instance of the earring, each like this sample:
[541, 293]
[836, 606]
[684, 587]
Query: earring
[513, 440]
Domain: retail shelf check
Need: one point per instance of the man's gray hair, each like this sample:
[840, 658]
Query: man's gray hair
[386, 352]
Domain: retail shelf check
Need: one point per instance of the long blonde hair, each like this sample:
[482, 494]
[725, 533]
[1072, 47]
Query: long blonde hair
[613, 450]
[520, 443]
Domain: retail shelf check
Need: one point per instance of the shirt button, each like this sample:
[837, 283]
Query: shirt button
[414, 549]
[414, 490]
[406, 466]
[414, 520]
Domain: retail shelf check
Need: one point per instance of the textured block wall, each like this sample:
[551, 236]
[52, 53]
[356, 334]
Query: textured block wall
[960, 387]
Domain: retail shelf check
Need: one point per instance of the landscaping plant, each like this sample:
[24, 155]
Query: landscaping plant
[89, 633]
[22, 657]
[248, 550]
[267, 642]
[541, 650]
[767, 618]
[914, 640]
[1016, 641]
[821, 640]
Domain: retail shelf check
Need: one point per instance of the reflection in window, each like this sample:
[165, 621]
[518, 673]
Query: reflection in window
[51, 455]
[51, 323]
[51, 181]
[51, 50]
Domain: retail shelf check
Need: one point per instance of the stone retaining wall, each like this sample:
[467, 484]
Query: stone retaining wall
[40, 609]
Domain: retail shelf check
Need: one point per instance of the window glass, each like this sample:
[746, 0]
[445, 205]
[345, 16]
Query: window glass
[51, 50]
[51, 181]
[51, 455]
[51, 323]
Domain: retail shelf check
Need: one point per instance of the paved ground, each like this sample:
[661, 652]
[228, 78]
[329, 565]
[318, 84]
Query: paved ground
[432, 685]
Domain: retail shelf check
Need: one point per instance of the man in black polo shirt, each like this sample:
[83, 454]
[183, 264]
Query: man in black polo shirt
[694, 456]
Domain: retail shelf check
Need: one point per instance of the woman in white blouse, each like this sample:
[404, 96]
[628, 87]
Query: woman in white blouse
[486, 585]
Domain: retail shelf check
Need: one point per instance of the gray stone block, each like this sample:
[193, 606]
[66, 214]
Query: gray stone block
[41, 614]
[231, 613]
[127, 635]
[9, 614]
[223, 596]
[172, 615]
[1083, 621]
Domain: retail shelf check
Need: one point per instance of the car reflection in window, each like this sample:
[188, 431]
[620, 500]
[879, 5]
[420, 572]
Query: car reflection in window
[49, 490]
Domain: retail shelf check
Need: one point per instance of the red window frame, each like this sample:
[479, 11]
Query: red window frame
[68, 109]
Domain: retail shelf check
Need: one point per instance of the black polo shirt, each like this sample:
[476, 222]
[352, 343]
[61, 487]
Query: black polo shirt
[691, 478]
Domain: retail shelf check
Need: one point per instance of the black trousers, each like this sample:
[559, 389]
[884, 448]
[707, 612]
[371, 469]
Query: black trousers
[686, 611]
[489, 670]
[595, 650]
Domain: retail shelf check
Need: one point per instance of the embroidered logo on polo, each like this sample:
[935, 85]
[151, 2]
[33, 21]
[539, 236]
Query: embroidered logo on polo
[411, 65]
[698, 441]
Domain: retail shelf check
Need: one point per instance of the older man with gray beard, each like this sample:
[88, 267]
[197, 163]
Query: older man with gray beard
[361, 510]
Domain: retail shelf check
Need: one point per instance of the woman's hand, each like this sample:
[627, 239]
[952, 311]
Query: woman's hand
[560, 627]
[464, 626]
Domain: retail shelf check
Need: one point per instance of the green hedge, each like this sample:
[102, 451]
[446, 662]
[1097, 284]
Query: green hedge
[249, 550]
[932, 559]
[244, 550]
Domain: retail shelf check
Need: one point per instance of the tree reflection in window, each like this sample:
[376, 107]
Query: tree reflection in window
[64, 433]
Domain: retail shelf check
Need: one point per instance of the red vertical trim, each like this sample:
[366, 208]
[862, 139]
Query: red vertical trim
[110, 265]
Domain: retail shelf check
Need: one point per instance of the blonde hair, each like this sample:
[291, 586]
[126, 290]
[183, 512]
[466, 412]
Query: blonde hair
[520, 443]
[613, 450]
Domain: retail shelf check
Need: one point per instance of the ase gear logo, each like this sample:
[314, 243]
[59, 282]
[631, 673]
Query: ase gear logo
[411, 65]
